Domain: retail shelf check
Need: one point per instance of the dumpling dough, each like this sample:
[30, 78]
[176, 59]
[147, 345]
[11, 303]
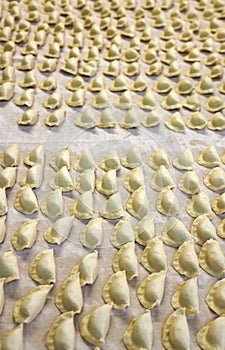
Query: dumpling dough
[9, 269]
[126, 259]
[144, 230]
[53, 204]
[175, 333]
[151, 290]
[211, 258]
[59, 231]
[36, 156]
[91, 235]
[122, 233]
[167, 203]
[215, 179]
[112, 208]
[175, 233]
[86, 181]
[8, 177]
[199, 205]
[62, 180]
[153, 257]
[62, 333]
[61, 159]
[33, 177]
[95, 325]
[110, 161]
[161, 179]
[30, 304]
[209, 337]
[26, 201]
[189, 183]
[184, 160]
[209, 157]
[42, 268]
[132, 159]
[186, 296]
[69, 296]
[13, 339]
[215, 298]
[83, 207]
[88, 268]
[157, 158]
[137, 204]
[116, 291]
[134, 179]
[185, 260]
[108, 184]
[85, 161]
[218, 204]
[203, 229]
[25, 236]
[139, 333]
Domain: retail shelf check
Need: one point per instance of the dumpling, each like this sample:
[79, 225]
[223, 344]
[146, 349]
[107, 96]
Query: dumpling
[186, 296]
[9, 269]
[83, 207]
[151, 290]
[36, 156]
[59, 231]
[203, 229]
[26, 201]
[91, 235]
[85, 161]
[144, 230]
[33, 177]
[209, 157]
[161, 179]
[130, 120]
[211, 258]
[116, 291]
[199, 205]
[111, 161]
[209, 336]
[137, 204]
[167, 203]
[175, 334]
[3, 202]
[55, 118]
[112, 208]
[61, 159]
[25, 99]
[88, 268]
[13, 339]
[2, 228]
[31, 304]
[62, 180]
[171, 101]
[53, 101]
[42, 268]
[153, 257]
[147, 102]
[175, 122]
[221, 228]
[2, 296]
[184, 160]
[108, 184]
[218, 204]
[139, 333]
[6, 91]
[10, 156]
[62, 333]
[29, 117]
[189, 183]
[86, 181]
[126, 259]
[196, 121]
[132, 159]
[215, 179]
[134, 179]
[151, 119]
[69, 296]
[25, 236]
[174, 233]
[87, 119]
[95, 325]
[122, 233]
[53, 204]
[185, 260]
[215, 298]
[157, 158]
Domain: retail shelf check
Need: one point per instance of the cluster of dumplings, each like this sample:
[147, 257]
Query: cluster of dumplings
[115, 61]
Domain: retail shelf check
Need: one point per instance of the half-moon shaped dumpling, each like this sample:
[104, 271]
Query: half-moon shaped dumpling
[209, 336]
[186, 296]
[147, 102]
[108, 184]
[42, 268]
[211, 258]
[2, 296]
[157, 158]
[215, 179]
[95, 325]
[189, 183]
[218, 204]
[59, 231]
[199, 205]
[25, 236]
[10, 156]
[26, 200]
[151, 119]
[61, 159]
[7, 177]
[161, 179]
[33, 177]
[175, 122]
[13, 339]
[86, 181]
[85, 161]
[62, 333]
[29, 117]
[62, 180]
[184, 160]
[122, 233]
[216, 121]
[174, 233]
[196, 121]
[151, 290]
[185, 260]
[167, 203]
[69, 296]
[116, 290]
[88, 268]
[153, 257]
[112, 208]
[87, 119]
[203, 229]
[53, 101]
[55, 118]
[132, 159]
[144, 230]
[106, 119]
[2, 228]
[9, 269]
[209, 157]
[3, 202]
[221, 229]
[53, 204]
[134, 179]
[91, 235]
[137, 204]
[175, 333]
[83, 206]
[36, 156]
[139, 333]
[6, 91]
[172, 100]
[110, 161]
[126, 259]
[215, 298]
[25, 99]
[31, 304]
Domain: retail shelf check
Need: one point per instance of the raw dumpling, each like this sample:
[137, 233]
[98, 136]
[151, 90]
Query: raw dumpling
[10, 157]
[116, 291]
[42, 268]
[161, 179]
[62, 180]
[25, 236]
[55, 118]
[110, 161]
[33, 177]
[184, 160]
[9, 269]
[83, 206]
[26, 201]
[137, 204]
[174, 233]
[209, 157]
[157, 158]
[144, 230]
[151, 290]
[31, 304]
[88, 268]
[215, 179]
[199, 205]
[218, 204]
[8, 177]
[85, 161]
[139, 333]
[3, 202]
[36, 156]
[13, 339]
[112, 208]
[91, 235]
[186, 296]
[153, 257]
[126, 259]
[122, 233]
[167, 203]
[61, 159]
[203, 229]
[95, 325]
[62, 333]
[53, 204]
[189, 183]
[2, 228]
[108, 184]
[86, 181]
[185, 260]
[215, 298]
[134, 179]
[132, 159]
[69, 296]
[59, 231]
[175, 334]
[209, 336]
[211, 258]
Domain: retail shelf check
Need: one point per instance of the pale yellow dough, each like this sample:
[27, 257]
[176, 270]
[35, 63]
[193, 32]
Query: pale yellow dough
[116, 290]
[153, 257]
[88, 268]
[25, 236]
[151, 290]
[186, 296]
[185, 260]
[13, 339]
[42, 268]
[126, 259]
